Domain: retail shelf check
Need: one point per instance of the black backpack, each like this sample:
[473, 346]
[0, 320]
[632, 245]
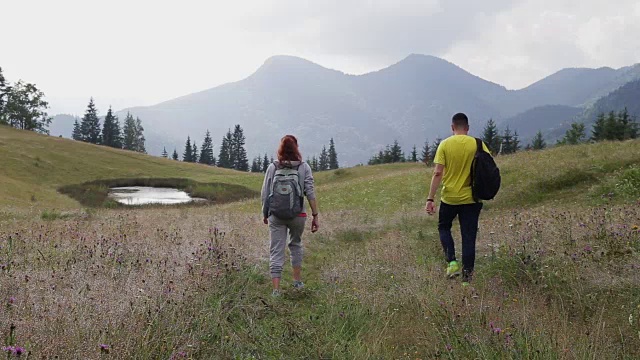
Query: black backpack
[485, 175]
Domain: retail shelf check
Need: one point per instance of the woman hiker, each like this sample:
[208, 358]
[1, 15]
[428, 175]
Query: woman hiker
[286, 182]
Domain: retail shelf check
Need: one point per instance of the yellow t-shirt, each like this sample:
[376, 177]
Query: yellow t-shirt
[456, 154]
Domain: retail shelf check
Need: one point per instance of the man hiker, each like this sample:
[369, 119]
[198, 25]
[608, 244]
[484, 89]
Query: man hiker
[453, 160]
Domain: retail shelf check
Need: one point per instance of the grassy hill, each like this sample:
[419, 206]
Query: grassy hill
[34, 166]
[556, 272]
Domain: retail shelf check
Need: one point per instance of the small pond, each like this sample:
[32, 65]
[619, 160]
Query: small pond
[143, 195]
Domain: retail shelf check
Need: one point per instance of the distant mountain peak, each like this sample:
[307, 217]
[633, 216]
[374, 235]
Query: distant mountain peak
[288, 63]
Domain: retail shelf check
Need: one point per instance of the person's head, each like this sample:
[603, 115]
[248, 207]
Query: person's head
[460, 123]
[288, 150]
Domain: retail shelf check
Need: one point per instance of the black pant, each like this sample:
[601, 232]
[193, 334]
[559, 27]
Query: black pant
[468, 216]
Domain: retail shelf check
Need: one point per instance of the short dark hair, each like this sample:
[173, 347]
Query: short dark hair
[460, 120]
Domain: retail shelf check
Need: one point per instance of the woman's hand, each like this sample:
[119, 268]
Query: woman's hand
[315, 225]
[265, 220]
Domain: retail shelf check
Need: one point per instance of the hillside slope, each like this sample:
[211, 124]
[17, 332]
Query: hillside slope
[34, 166]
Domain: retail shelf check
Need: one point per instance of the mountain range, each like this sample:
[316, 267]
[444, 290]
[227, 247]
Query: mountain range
[410, 101]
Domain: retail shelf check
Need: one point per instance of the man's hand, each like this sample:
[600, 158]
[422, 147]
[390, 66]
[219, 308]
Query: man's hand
[430, 208]
[265, 220]
[315, 225]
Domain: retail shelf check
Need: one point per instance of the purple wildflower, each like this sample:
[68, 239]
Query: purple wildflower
[449, 348]
[104, 348]
[497, 330]
[588, 248]
[12, 300]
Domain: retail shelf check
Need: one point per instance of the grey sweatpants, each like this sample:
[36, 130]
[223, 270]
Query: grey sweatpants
[279, 230]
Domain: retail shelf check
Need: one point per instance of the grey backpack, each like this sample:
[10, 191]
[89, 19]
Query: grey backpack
[286, 197]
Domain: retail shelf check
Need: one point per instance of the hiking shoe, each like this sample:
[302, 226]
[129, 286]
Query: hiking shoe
[467, 276]
[298, 285]
[276, 293]
[453, 269]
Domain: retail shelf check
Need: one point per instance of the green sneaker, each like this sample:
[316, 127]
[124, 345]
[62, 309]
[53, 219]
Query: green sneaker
[453, 269]
[466, 277]
[298, 285]
[276, 293]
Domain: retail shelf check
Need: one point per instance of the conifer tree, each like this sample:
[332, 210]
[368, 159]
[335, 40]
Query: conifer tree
[129, 133]
[333, 156]
[256, 165]
[3, 94]
[238, 151]
[76, 134]
[425, 155]
[265, 163]
[323, 162]
[434, 149]
[90, 124]
[516, 142]
[507, 142]
[194, 153]
[174, 156]
[395, 153]
[206, 153]
[491, 137]
[224, 157]
[140, 140]
[414, 155]
[598, 132]
[538, 142]
[187, 155]
[611, 129]
[111, 134]
[165, 154]
[575, 135]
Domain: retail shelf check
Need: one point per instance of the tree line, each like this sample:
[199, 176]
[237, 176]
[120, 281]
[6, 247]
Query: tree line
[89, 129]
[22, 106]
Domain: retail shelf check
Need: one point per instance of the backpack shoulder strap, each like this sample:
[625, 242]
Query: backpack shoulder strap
[479, 145]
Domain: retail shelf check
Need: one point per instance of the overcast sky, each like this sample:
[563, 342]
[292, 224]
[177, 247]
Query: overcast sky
[135, 52]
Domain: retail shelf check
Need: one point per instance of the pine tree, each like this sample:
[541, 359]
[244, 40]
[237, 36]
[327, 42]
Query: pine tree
[323, 162]
[224, 157]
[574, 135]
[491, 137]
[424, 156]
[516, 142]
[194, 153]
[538, 142]
[206, 153]
[240, 160]
[507, 142]
[612, 130]
[434, 149]
[111, 134]
[414, 155]
[174, 156]
[165, 154]
[90, 124]
[628, 125]
[256, 165]
[187, 155]
[140, 140]
[76, 134]
[333, 156]
[265, 163]
[3, 95]
[598, 131]
[396, 152]
[129, 133]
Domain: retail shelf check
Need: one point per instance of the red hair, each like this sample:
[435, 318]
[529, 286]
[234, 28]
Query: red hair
[288, 150]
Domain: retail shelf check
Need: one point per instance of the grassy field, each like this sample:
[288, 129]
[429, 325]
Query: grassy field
[557, 268]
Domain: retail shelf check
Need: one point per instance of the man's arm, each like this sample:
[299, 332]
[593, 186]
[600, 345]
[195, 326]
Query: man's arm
[436, 180]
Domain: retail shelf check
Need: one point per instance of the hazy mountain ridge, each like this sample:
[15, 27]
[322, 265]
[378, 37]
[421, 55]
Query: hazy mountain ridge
[410, 101]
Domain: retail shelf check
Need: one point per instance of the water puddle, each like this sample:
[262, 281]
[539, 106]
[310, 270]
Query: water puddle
[142, 195]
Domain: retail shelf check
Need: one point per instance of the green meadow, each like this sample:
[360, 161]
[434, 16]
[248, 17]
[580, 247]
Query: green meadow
[557, 273]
